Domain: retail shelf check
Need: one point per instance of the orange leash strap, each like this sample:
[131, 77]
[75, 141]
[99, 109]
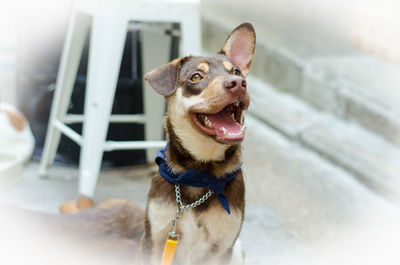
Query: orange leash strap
[172, 240]
[169, 250]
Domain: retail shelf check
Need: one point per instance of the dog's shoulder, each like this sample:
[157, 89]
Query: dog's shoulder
[161, 188]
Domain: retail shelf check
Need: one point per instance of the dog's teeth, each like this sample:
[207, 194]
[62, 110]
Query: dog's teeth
[207, 122]
[237, 103]
[243, 128]
[233, 116]
[224, 130]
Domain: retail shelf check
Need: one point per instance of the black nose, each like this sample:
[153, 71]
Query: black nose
[236, 85]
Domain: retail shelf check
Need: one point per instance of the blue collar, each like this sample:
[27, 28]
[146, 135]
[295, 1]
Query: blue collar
[197, 179]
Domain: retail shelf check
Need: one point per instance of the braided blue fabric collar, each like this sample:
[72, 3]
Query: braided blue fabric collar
[197, 179]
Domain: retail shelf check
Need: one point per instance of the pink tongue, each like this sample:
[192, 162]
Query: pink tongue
[224, 120]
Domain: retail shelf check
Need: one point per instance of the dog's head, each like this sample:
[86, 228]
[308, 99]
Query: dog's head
[208, 95]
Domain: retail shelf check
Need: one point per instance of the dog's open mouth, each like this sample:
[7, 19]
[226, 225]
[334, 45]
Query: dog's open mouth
[225, 125]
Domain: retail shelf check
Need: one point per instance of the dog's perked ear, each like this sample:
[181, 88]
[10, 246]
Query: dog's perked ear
[240, 45]
[164, 79]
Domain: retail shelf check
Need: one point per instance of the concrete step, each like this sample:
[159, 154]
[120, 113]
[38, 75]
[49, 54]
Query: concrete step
[281, 111]
[356, 88]
[352, 86]
[370, 157]
[298, 204]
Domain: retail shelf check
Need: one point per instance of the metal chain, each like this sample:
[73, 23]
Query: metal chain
[193, 204]
[180, 208]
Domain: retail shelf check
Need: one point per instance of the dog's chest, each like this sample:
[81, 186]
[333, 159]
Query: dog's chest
[212, 231]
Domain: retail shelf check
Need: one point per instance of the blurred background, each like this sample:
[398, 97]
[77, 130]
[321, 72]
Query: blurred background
[322, 150]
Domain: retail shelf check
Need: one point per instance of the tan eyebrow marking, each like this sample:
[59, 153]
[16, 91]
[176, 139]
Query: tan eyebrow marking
[228, 65]
[203, 67]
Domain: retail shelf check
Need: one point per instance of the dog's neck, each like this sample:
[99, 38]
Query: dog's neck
[180, 159]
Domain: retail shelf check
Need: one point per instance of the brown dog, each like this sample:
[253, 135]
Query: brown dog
[206, 99]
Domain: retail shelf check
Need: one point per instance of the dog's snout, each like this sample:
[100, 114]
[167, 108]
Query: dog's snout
[236, 85]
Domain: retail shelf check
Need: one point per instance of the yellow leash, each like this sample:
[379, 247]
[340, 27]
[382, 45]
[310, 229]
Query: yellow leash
[169, 251]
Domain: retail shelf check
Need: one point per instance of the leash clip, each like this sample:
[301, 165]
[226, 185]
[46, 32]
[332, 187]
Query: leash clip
[178, 215]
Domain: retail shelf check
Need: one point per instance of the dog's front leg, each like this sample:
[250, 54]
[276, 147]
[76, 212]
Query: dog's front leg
[150, 248]
[236, 254]
[145, 250]
[226, 258]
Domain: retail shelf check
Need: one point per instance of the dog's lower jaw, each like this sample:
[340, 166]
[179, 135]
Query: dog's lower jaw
[202, 147]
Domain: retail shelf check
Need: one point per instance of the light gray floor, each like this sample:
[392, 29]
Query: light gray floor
[298, 205]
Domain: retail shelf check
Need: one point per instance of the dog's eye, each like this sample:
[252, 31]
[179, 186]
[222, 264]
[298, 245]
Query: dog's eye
[236, 71]
[196, 78]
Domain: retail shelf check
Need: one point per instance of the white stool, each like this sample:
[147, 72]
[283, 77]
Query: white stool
[109, 21]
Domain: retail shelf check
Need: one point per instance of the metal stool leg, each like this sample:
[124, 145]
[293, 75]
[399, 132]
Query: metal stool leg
[107, 43]
[191, 33]
[72, 51]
